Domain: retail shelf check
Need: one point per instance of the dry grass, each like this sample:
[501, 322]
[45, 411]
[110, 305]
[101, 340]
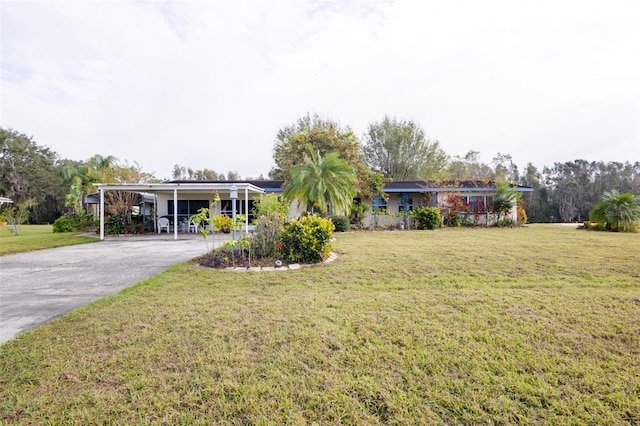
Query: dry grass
[498, 326]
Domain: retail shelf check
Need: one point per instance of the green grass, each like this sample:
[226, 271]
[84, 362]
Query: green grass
[36, 237]
[536, 325]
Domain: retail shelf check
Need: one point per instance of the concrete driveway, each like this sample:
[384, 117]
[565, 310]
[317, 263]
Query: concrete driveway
[39, 286]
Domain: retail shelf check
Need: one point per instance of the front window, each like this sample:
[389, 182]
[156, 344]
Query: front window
[379, 204]
[186, 208]
[405, 203]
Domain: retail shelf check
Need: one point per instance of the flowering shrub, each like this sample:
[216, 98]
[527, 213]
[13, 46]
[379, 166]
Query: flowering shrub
[307, 240]
[452, 209]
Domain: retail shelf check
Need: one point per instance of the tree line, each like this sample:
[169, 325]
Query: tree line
[391, 149]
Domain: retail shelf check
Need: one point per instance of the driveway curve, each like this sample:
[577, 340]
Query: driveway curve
[39, 286]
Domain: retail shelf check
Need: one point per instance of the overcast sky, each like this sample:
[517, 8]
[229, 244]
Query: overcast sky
[207, 84]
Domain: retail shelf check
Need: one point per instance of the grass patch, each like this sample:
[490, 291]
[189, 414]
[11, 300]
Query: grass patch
[493, 326]
[37, 237]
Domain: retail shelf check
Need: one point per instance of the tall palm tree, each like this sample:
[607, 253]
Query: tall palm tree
[323, 182]
[80, 179]
[618, 212]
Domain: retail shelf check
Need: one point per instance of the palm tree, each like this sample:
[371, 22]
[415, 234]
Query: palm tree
[81, 177]
[323, 182]
[618, 212]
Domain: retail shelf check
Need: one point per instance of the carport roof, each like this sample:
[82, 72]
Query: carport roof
[180, 186]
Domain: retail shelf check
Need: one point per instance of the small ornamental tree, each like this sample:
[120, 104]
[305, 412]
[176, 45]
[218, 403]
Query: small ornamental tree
[19, 214]
[617, 212]
[505, 200]
[452, 209]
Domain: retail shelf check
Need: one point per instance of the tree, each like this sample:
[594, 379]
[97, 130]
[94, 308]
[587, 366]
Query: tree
[470, 167]
[324, 136]
[182, 173]
[617, 212]
[29, 171]
[122, 202]
[505, 199]
[504, 169]
[321, 182]
[400, 150]
[19, 214]
[80, 177]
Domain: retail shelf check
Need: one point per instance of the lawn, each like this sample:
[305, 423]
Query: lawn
[492, 326]
[36, 237]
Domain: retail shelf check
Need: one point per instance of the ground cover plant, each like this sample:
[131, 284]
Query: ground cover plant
[529, 325]
[37, 237]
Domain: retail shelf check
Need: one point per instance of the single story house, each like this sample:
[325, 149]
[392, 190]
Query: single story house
[177, 200]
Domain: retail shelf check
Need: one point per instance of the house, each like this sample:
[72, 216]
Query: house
[177, 200]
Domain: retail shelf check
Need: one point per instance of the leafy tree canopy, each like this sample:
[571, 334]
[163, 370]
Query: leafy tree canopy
[30, 172]
[187, 173]
[324, 136]
[400, 150]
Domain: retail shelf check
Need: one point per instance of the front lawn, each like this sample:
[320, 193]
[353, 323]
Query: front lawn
[36, 237]
[535, 325]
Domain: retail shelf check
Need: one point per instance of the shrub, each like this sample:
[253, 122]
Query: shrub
[427, 217]
[340, 223]
[617, 212]
[115, 224]
[264, 242]
[267, 204]
[66, 224]
[307, 240]
[452, 209]
[74, 223]
[522, 214]
[222, 223]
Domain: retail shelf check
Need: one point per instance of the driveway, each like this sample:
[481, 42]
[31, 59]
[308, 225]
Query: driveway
[39, 286]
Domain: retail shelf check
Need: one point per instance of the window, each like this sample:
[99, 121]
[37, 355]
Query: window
[474, 201]
[379, 204]
[186, 208]
[405, 203]
[226, 208]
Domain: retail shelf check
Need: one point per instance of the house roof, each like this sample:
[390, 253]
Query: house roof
[260, 186]
[445, 186]
[180, 186]
[266, 185]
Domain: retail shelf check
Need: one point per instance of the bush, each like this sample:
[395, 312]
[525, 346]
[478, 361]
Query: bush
[307, 240]
[340, 223]
[427, 217]
[75, 223]
[115, 224]
[65, 224]
[222, 223]
[264, 243]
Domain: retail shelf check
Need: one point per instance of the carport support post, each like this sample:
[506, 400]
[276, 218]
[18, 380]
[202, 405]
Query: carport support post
[175, 213]
[246, 211]
[101, 214]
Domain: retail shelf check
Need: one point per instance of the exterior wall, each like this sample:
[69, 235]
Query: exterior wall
[395, 217]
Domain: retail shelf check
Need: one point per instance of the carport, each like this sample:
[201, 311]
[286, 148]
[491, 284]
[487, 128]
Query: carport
[175, 189]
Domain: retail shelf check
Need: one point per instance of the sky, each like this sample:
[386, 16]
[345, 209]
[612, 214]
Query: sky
[208, 84]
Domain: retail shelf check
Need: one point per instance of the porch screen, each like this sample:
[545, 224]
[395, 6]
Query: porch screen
[187, 208]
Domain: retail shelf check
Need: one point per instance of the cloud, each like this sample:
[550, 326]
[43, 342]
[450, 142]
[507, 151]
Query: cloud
[208, 84]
